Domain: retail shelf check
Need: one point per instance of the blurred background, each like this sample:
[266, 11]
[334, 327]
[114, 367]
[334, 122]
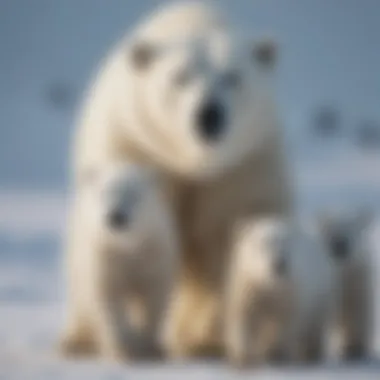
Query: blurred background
[329, 94]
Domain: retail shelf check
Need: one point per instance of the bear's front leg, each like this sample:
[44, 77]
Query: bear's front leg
[238, 341]
[244, 340]
[78, 335]
[108, 325]
[357, 318]
[237, 325]
[107, 309]
[356, 336]
[312, 339]
[286, 350]
[190, 324]
[155, 309]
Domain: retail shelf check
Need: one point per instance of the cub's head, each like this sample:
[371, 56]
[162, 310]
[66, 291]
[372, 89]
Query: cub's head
[345, 233]
[118, 201]
[266, 246]
[202, 103]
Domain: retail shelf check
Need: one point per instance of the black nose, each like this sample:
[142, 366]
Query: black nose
[117, 219]
[340, 247]
[211, 121]
[280, 266]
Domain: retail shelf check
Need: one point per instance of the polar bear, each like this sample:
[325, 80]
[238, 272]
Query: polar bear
[125, 262]
[190, 95]
[280, 294]
[345, 232]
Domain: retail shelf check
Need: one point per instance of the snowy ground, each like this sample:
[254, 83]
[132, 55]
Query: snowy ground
[32, 297]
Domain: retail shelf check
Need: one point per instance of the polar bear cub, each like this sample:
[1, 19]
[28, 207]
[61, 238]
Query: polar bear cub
[280, 293]
[345, 232]
[120, 280]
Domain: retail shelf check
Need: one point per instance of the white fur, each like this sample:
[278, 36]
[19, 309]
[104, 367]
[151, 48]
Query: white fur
[142, 115]
[113, 272]
[270, 314]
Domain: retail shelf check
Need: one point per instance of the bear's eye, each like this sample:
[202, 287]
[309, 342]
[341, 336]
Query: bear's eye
[183, 77]
[232, 79]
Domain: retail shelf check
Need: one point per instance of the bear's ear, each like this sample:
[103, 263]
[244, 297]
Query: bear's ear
[265, 53]
[142, 55]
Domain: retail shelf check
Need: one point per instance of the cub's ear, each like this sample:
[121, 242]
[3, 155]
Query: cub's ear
[142, 54]
[265, 53]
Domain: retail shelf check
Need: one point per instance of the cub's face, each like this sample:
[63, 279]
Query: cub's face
[345, 234]
[117, 200]
[204, 101]
[268, 245]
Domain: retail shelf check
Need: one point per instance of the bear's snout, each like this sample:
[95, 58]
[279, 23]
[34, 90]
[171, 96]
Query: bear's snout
[117, 219]
[211, 121]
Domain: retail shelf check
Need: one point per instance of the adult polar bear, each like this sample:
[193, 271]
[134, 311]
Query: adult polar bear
[189, 95]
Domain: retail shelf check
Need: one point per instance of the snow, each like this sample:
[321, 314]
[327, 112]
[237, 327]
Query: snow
[32, 300]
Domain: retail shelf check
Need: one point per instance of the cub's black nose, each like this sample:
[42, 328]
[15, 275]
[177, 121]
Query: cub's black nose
[117, 219]
[340, 247]
[211, 121]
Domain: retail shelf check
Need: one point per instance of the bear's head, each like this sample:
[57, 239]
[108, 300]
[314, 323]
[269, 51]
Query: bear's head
[201, 104]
